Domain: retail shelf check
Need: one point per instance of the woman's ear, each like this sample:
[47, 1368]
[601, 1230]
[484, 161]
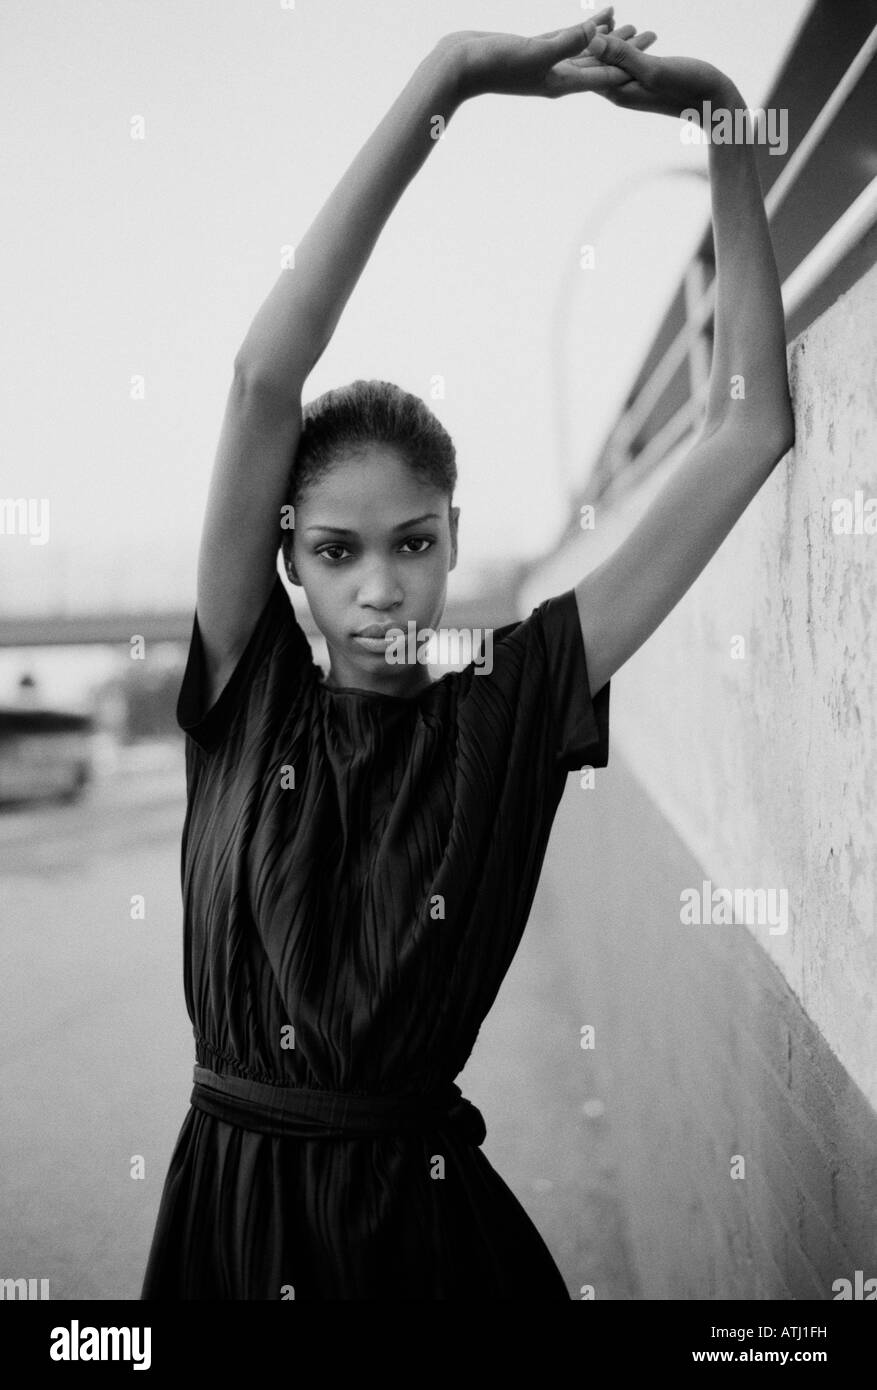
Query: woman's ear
[454, 518]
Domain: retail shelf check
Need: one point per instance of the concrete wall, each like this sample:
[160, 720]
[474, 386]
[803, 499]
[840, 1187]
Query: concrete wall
[766, 765]
[758, 771]
[703, 1056]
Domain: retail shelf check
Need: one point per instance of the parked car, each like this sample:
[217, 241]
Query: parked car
[44, 753]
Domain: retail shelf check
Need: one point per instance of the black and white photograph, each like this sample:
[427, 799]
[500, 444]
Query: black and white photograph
[438, 697]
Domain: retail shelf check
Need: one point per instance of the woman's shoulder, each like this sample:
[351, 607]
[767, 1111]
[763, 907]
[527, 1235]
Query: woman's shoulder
[263, 679]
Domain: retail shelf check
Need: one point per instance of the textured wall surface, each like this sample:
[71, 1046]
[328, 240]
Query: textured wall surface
[766, 763]
[738, 1152]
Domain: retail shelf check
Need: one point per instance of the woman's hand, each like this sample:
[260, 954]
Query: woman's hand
[668, 86]
[546, 65]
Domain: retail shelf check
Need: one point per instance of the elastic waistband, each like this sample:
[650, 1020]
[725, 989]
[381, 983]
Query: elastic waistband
[296, 1112]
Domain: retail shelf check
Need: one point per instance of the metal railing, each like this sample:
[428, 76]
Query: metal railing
[691, 343]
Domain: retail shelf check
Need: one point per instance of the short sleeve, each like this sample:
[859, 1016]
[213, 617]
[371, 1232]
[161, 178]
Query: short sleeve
[528, 702]
[579, 718]
[276, 656]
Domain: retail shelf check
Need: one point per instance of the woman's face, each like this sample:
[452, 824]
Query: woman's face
[372, 546]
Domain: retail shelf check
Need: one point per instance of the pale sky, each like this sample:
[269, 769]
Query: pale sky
[149, 257]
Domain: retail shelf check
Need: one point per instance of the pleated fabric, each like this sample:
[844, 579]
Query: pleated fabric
[357, 872]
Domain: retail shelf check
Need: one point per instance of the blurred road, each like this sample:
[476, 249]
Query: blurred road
[97, 1051]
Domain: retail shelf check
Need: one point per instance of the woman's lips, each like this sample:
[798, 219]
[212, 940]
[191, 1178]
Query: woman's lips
[373, 644]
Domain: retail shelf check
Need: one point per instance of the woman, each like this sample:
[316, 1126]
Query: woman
[361, 851]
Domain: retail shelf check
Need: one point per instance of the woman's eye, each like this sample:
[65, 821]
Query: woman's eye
[330, 552]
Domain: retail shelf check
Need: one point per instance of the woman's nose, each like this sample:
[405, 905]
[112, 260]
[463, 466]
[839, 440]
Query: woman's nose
[380, 589]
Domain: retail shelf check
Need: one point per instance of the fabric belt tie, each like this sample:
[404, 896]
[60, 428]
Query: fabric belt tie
[299, 1113]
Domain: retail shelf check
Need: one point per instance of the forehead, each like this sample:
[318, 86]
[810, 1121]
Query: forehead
[371, 492]
[375, 480]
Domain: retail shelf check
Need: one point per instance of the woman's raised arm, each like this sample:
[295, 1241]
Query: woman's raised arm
[296, 322]
[262, 423]
[749, 424]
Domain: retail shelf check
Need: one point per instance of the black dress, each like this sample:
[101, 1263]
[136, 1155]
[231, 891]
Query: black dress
[357, 873]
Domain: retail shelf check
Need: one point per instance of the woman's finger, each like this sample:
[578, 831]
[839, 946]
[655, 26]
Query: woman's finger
[640, 41]
[603, 21]
[565, 43]
[574, 76]
[586, 73]
[605, 16]
[617, 53]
